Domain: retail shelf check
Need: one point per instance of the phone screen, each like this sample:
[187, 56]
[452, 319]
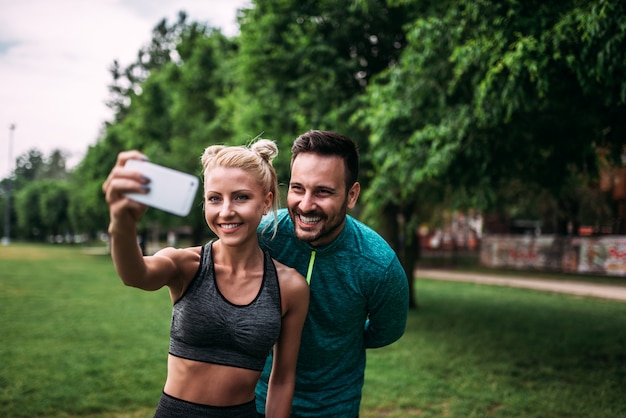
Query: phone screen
[171, 190]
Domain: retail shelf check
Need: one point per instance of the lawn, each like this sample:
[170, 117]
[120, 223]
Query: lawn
[78, 343]
[76, 340]
[481, 351]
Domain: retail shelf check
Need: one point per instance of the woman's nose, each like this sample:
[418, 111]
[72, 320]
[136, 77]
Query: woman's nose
[227, 208]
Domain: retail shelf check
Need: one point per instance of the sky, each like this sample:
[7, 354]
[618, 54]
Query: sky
[54, 61]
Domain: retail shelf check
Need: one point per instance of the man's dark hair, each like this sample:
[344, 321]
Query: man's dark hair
[331, 144]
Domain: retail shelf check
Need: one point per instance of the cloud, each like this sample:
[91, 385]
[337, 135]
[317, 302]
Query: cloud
[54, 60]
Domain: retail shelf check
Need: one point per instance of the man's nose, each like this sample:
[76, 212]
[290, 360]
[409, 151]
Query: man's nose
[307, 204]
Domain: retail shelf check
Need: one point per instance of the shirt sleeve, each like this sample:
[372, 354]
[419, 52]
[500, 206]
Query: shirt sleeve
[388, 308]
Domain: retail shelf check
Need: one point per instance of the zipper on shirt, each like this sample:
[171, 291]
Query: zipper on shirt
[310, 270]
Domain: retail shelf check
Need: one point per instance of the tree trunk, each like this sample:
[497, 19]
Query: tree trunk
[409, 262]
[395, 231]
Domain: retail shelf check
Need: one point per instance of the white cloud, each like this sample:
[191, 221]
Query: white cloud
[54, 60]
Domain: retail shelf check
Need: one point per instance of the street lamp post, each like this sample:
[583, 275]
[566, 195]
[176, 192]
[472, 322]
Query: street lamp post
[6, 239]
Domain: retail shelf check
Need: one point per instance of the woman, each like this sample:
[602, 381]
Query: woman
[231, 302]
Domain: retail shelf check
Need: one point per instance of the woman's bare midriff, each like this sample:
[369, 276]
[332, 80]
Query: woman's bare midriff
[209, 384]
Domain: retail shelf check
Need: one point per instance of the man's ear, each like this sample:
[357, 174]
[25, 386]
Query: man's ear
[353, 194]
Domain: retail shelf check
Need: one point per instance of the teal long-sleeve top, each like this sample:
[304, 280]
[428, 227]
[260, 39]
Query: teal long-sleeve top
[359, 299]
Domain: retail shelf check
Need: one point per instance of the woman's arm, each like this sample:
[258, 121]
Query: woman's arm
[295, 298]
[148, 273]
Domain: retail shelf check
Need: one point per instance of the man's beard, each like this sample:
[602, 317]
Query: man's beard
[326, 229]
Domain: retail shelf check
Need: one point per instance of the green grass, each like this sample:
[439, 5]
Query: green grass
[78, 343]
[481, 351]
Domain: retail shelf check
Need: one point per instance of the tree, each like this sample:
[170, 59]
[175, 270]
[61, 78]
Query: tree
[303, 65]
[55, 166]
[171, 110]
[87, 209]
[41, 208]
[32, 167]
[160, 51]
[53, 202]
[28, 167]
[29, 219]
[306, 64]
[489, 93]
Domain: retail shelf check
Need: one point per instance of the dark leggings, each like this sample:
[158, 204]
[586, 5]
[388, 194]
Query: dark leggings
[171, 407]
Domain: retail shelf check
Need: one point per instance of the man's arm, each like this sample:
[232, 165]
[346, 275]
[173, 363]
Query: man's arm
[388, 308]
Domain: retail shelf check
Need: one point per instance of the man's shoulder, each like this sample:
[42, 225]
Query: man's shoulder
[279, 220]
[367, 241]
[369, 253]
[275, 232]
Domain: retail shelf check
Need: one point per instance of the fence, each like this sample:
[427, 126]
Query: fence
[604, 255]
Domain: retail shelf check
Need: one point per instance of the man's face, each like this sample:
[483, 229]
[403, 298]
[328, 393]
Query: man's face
[317, 197]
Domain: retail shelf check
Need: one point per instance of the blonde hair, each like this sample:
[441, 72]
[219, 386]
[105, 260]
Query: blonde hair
[255, 159]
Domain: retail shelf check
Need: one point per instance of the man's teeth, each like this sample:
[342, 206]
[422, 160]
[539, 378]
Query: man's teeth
[229, 226]
[310, 219]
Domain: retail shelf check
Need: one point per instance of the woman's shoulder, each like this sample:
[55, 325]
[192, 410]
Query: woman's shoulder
[294, 290]
[184, 261]
[183, 254]
[288, 276]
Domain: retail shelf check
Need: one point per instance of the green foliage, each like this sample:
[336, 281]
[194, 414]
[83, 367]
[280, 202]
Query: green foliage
[39, 195]
[304, 64]
[53, 205]
[598, 56]
[295, 66]
[42, 208]
[28, 166]
[494, 105]
[87, 207]
[171, 112]
[487, 93]
[161, 50]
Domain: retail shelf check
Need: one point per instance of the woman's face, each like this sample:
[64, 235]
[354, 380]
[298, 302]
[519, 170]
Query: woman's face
[234, 203]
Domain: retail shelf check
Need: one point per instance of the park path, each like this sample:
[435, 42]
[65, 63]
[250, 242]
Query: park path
[604, 291]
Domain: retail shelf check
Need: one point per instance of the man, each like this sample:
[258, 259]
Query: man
[358, 289]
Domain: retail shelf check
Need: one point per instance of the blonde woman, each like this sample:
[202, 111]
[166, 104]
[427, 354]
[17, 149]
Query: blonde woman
[232, 303]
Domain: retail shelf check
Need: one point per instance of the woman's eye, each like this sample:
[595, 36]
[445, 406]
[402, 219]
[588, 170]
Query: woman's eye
[212, 199]
[242, 197]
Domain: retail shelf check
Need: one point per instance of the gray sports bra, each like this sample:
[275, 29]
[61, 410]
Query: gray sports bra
[207, 327]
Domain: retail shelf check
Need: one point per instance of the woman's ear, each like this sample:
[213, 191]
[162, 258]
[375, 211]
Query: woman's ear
[267, 204]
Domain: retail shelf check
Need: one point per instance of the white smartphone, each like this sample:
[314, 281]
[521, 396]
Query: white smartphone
[171, 190]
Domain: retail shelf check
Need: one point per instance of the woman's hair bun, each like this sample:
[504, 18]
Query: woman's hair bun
[210, 153]
[266, 148]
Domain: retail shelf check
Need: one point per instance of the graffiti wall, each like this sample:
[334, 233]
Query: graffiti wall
[590, 255]
[603, 256]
